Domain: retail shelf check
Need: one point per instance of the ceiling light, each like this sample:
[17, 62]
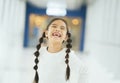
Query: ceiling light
[56, 9]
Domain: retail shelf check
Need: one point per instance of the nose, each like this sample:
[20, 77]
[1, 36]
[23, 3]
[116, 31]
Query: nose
[58, 29]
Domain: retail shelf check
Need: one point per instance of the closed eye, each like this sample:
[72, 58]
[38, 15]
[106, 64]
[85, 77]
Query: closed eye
[54, 26]
[62, 28]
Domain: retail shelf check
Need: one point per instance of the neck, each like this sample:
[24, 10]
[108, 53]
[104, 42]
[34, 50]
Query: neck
[54, 47]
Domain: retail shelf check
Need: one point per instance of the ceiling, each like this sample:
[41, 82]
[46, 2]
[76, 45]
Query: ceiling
[68, 4]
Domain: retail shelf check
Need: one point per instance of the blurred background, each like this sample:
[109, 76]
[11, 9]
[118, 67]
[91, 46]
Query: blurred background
[95, 29]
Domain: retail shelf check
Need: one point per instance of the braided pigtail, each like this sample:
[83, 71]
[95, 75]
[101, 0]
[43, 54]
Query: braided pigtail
[36, 79]
[69, 46]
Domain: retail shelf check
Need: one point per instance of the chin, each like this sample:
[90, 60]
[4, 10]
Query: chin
[56, 40]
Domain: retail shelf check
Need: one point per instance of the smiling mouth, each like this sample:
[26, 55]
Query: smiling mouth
[56, 34]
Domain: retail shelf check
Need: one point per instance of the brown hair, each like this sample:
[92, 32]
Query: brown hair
[68, 46]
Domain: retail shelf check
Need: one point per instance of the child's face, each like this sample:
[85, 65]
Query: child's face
[57, 31]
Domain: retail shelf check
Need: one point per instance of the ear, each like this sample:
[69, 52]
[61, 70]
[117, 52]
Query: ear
[66, 38]
[46, 34]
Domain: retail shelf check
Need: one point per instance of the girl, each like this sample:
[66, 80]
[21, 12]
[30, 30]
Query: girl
[58, 64]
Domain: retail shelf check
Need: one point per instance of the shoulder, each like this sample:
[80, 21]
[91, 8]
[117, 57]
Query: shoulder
[42, 49]
[76, 61]
[73, 57]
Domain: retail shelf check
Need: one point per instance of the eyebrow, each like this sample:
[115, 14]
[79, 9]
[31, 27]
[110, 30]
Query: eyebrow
[54, 24]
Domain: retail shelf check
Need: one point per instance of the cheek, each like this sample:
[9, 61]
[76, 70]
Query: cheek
[49, 32]
[64, 34]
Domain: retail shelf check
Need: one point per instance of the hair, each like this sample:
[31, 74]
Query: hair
[68, 46]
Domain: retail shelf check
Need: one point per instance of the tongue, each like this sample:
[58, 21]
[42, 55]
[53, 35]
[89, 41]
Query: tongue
[56, 34]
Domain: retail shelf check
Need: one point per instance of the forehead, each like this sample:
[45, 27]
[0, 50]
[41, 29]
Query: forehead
[59, 22]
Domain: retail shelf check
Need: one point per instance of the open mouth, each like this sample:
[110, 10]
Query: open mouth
[56, 34]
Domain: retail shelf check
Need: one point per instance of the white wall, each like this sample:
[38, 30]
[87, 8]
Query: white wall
[103, 33]
[12, 18]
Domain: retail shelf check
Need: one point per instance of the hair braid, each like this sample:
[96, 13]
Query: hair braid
[69, 46]
[36, 79]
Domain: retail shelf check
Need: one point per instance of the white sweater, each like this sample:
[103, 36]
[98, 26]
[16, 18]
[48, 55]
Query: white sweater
[52, 67]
